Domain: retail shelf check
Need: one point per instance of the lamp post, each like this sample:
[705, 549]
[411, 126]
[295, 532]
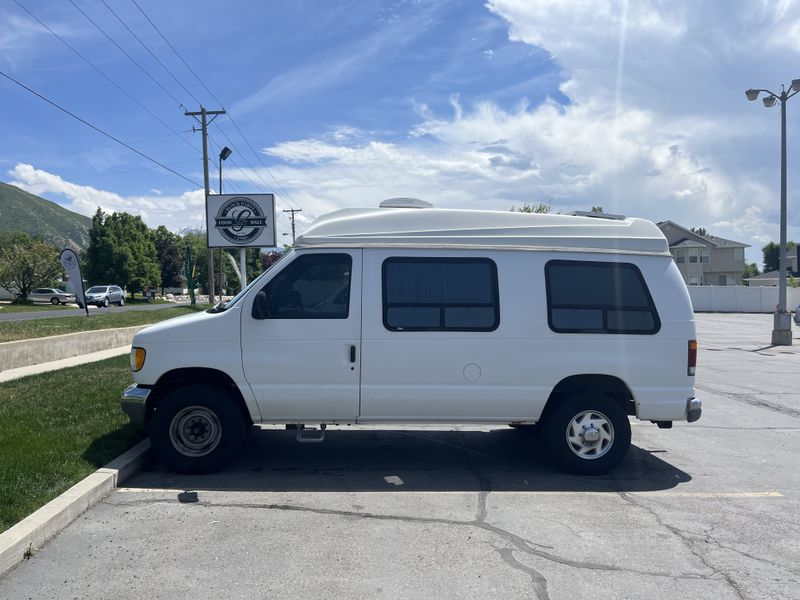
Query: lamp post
[223, 155]
[782, 322]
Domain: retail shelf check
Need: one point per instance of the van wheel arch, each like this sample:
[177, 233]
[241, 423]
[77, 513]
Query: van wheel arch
[177, 378]
[608, 385]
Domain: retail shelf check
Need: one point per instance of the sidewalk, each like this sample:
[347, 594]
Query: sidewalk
[10, 374]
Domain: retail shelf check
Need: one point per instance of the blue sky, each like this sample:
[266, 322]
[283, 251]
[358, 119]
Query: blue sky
[639, 108]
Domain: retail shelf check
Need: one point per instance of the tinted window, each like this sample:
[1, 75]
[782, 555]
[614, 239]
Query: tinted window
[440, 294]
[313, 286]
[598, 297]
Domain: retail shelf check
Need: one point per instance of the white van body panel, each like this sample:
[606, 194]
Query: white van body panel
[199, 340]
[300, 369]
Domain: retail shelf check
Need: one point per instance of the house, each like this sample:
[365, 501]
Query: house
[771, 277]
[704, 259]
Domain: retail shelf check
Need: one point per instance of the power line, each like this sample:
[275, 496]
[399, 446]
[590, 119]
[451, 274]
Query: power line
[138, 39]
[241, 133]
[171, 47]
[97, 129]
[121, 49]
[96, 68]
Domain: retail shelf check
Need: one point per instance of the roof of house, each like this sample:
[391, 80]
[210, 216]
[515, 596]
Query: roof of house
[432, 227]
[714, 240]
[687, 243]
[770, 275]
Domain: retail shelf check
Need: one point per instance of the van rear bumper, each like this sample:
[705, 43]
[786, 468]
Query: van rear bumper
[694, 408]
[134, 403]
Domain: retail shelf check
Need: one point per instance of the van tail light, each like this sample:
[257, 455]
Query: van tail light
[692, 358]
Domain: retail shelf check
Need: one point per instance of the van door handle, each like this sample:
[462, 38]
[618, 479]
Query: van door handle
[352, 354]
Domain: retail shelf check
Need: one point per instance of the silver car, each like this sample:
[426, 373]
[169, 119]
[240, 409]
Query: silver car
[103, 295]
[51, 295]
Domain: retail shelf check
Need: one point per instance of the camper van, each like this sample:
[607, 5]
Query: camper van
[408, 314]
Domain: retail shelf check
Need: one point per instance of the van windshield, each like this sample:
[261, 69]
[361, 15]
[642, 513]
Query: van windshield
[223, 306]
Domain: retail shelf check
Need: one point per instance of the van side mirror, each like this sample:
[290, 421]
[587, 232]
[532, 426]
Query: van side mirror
[260, 306]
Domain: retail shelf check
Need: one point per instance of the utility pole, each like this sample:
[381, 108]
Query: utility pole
[292, 211]
[204, 129]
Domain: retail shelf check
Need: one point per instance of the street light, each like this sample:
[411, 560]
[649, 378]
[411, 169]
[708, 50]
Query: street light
[223, 155]
[782, 323]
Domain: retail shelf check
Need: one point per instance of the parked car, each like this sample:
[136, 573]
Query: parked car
[419, 315]
[103, 295]
[51, 295]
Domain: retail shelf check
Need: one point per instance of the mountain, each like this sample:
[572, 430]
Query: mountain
[26, 212]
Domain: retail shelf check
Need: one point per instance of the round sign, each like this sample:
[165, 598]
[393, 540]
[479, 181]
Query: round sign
[240, 220]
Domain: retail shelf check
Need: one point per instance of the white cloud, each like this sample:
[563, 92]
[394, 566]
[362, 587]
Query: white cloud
[175, 212]
[656, 124]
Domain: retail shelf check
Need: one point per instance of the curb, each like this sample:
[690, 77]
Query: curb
[33, 351]
[36, 529]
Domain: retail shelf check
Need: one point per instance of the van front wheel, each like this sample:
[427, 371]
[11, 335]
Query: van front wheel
[588, 434]
[197, 429]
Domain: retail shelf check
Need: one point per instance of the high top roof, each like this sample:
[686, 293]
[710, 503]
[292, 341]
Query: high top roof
[448, 228]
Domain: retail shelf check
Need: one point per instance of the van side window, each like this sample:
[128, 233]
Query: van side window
[440, 294]
[313, 286]
[598, 297]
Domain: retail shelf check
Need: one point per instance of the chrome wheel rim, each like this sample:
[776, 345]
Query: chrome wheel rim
[590, 435]
[195, 431]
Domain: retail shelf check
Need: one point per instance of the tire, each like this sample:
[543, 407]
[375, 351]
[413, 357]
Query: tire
[197, 429]
[105, 302]
[567, 423]
[54, 301]
[121, 302]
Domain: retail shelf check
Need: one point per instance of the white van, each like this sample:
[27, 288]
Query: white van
[421, 315]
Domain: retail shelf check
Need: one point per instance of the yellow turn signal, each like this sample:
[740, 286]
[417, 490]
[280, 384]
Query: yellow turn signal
[137, 359]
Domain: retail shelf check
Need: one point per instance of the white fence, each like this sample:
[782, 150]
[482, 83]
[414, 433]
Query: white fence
[734, 298]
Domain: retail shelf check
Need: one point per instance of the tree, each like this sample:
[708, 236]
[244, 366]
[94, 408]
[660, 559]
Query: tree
[540, 208]
[122, 252]
[27, 263]
[750, 270]
[699, 231]
[597, 209]
[771, 254]
[196, 241]
[168, 255]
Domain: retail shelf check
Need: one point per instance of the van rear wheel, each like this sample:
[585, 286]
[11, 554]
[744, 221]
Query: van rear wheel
[197, 429]
[588, 434]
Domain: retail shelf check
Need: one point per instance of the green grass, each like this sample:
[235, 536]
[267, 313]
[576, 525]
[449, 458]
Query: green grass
[56, 428]
[23, 330]
[15, 308]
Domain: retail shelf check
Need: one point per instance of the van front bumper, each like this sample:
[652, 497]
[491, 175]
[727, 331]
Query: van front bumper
[694, 408]
[134, 403]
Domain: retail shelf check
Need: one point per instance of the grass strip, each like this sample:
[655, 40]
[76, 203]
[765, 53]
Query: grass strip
[23, 330]
[56, 428]
[23, 308]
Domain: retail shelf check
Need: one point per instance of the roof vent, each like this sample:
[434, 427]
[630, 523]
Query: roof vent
[405, 203]
[597, 215]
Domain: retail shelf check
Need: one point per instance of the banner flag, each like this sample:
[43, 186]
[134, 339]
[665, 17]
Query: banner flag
[72, 266]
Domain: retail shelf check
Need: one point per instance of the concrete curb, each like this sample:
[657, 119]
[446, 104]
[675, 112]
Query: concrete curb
[35, 530]
[33, 351]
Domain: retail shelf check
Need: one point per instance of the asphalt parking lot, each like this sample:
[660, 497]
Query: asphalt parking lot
[704, 510]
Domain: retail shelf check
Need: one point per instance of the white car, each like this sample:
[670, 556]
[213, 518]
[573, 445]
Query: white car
[51, 295]
[406, 315]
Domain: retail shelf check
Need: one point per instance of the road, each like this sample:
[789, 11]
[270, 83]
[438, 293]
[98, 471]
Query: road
[77, 312]
[704, 510]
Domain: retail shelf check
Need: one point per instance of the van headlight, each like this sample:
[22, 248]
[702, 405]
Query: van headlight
[137, 359]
